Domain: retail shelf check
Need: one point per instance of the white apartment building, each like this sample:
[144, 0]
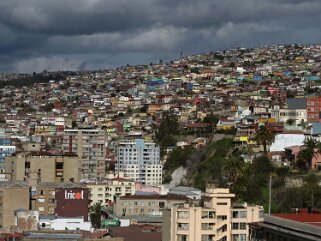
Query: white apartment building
[217, 220]
[90, 145]
[5, 150]
[107, 190]
[298, 115]
[139, 160]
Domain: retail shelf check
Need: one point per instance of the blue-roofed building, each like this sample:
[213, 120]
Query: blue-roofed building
[155, 82]
[257, 77]
[287, 73]
[312, 78]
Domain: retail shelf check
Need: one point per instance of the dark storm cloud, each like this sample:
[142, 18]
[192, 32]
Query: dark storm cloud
[75, 34]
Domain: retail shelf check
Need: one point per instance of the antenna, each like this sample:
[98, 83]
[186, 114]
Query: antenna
[270, 194]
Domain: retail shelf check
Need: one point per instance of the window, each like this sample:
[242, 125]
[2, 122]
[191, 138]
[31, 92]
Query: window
[182, 214]
[161, 204]
[207, 226]
[242, 214]
[208, 214]
[235, 214]
[182, 226]
[239, 214]
[242, 237]
[181, 237]
[59, 165]
[235, 226]
[243, 226]
[221, 203]
[207, 237]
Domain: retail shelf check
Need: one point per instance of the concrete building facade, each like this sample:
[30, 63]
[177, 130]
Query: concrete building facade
[139, 160]
[43, 198]
[217, 220]
[145, 205]
[9, 191]
[35, 167]
[107, 190]
[89, 144]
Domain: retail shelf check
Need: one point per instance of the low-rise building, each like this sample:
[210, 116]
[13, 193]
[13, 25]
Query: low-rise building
[13, 196]
[298, 226]
[139, 207]
[38, 166]
[107, 190]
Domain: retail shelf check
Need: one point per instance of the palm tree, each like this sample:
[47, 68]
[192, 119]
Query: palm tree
[264, 136]
[95, 215]
[308, 150]
[233, 167]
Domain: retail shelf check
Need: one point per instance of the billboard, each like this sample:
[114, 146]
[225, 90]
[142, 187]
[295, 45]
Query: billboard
[72, 202]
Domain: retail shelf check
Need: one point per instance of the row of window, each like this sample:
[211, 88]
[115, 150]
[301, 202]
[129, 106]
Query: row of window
[237, 226]
[142, 203]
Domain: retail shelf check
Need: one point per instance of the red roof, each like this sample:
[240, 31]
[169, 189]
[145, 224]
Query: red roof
[302, 216]
[293, 132]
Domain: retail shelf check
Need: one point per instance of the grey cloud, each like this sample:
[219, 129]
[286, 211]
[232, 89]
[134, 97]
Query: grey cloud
[76, 34]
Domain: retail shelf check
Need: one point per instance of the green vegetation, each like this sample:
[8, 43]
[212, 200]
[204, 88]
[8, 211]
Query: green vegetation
[95, 215]
[221, 164]
[309, 149]
[264, 136]
[166, 130]
[35, 78]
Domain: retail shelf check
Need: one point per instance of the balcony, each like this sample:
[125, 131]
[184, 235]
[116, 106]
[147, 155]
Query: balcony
[182, 227]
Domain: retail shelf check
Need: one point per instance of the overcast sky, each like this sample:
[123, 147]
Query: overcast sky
[97, 34]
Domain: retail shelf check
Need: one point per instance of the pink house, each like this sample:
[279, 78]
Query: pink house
[143, 188]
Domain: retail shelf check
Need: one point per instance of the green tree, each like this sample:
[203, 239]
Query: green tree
[233, 167]
[264, 136]
[167, 129]
[95, 215]
[308, 150]
[212, 120]
[290, 122]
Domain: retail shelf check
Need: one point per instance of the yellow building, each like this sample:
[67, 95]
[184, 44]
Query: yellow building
[216, 220]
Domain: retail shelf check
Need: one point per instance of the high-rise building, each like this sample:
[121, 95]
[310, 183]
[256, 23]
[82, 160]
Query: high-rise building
[218, 219]
[139, 160]
[89, 144]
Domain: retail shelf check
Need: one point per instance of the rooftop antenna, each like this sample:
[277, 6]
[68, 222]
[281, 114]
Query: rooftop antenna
[270, 194]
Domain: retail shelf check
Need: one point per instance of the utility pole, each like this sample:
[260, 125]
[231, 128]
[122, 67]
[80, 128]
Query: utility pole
[270, 194]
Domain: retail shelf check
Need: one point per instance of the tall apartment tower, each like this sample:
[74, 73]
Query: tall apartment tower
[89, 144]
[140, 161]
[217, 220]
